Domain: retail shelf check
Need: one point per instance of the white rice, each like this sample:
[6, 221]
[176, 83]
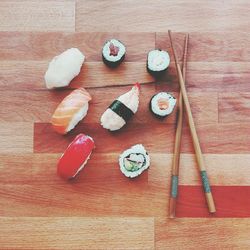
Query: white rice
[158, 60]
[112, 121]
[78, 117]
[138, 148]
[106, 50]
[63, 68]
[163, 112]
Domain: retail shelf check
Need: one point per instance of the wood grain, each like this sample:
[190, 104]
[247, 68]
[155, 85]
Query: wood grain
[224, 169]
[110, 211]
[46, 45]
[60, 200]
[37, 16]
[29, 75]
[16, 104]
[16, 137]
[214, 138]
[210, 46]
[76, 233]
[87, 200]
[161, 15]
[230, 201]
[218, 76]
[234, 106]
[209, 77]
[175, 234]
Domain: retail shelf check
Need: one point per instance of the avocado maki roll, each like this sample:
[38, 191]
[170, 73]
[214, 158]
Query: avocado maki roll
[157, 62]
[162, 104]
[113, 53]
[134, 161]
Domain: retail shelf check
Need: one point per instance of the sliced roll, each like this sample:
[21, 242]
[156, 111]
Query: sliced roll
[157, 62]
[162, 104]
[63, 68]
[70, 111]
[134, 161]
[75, 157]
[121, 110]
[113, 52]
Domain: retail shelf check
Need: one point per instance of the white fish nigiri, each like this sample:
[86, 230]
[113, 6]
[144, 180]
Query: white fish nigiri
[121, 110]
[63, 68]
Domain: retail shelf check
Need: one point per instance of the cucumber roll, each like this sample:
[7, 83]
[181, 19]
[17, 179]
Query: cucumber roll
[162, 104]
[157, 62]
[113, 53]
[134, 161]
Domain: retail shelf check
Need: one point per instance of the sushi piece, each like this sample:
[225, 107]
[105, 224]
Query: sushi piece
[158, 62]
[134, 161]
[63, 68]
[113, 53]
[70, 111]
[121, 110]
[75, 156]
[162, 104]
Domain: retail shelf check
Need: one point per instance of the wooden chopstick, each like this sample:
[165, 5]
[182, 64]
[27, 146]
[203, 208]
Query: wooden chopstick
[196, 144]
[177, 144]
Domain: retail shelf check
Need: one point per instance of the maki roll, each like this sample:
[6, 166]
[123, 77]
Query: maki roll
[121, 110]
[63, 68]
[134, 161]
[113, 53]
[75, 157]
[70, 111]
[162, 104]
[158, 62]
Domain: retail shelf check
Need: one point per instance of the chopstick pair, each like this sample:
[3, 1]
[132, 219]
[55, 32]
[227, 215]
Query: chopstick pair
[183, 99]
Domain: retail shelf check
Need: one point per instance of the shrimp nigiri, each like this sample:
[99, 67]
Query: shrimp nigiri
[121, 110]
[70, 111]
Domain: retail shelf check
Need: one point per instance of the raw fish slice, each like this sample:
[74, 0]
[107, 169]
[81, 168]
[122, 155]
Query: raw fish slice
[70, 111]
[75, 157]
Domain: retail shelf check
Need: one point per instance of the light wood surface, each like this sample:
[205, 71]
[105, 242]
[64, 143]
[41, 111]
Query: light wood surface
[102, 209]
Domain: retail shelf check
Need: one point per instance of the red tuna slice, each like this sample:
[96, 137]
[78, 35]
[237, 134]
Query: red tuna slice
[75, 156]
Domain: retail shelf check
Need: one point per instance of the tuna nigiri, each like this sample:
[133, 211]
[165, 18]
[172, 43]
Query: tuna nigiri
[70, 111]
[75, 157]
[121, 110]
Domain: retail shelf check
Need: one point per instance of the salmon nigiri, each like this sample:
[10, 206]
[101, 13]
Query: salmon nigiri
[121, 110]
[71, 110]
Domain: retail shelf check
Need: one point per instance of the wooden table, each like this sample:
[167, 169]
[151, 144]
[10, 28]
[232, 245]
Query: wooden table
[102, 209]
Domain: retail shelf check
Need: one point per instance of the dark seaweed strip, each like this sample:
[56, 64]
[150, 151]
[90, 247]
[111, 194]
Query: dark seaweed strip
[122, 110]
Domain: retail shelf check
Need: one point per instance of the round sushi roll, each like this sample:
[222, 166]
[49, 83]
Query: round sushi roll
[75, 156]
[162, 104]
[63, 68]
[121, 110]
[134, 161]
[157, 62]
[70, 111]
[113, 53]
